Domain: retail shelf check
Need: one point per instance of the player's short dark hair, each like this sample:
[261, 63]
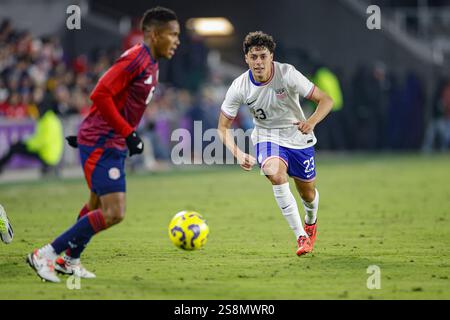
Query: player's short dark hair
[259, 39]
[157, 16]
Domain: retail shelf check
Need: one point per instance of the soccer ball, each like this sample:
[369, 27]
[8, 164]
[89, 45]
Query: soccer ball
[6, 231]
[188, 230]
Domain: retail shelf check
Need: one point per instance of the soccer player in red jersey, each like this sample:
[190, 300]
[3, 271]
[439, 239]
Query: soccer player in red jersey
[119, 101]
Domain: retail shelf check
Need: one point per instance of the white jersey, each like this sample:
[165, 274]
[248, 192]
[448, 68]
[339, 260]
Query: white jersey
[274, 104]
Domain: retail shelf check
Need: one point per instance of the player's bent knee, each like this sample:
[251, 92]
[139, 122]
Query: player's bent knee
[308, 195]
[113, 220]
[117, 220]
[113, 217]
[275, 171]
[277, 179]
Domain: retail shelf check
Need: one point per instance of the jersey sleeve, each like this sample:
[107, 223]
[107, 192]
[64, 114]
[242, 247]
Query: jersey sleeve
[297, 82]
[232, 102]
[120, 74]
[116, 79]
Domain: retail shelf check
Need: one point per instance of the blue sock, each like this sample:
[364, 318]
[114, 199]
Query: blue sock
[80, 233]
[80, 246]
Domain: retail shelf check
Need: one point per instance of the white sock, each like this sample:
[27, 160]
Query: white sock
[311, 209]
[71, 260]
[48, 252]
[288, 206]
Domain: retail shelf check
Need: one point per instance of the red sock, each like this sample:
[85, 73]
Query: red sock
[84, 211]
[96, 220]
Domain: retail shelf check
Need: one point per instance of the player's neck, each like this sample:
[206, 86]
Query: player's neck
[147, 42]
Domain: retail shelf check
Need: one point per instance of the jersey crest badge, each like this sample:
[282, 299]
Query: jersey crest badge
[280, 93]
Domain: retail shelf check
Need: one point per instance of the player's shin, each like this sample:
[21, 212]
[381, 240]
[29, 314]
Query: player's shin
[86, 227]
[78, 248]
[311, 209]
[84, 211]
[286, 202]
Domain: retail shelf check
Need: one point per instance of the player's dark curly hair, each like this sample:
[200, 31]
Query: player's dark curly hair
[156, 17]
[259, 39]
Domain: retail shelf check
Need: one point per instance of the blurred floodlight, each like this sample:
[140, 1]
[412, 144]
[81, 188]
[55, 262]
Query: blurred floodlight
[210, 26]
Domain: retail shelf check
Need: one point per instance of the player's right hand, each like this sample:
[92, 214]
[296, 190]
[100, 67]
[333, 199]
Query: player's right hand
[305, 127]
[246, 161]
[134, 144]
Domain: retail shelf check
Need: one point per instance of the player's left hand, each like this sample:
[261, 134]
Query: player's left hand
[134, 143]
[305, 127]
[72, 141]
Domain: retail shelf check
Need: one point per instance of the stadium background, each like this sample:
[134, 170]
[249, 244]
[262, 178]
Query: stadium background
[394, 81]
[393, 122]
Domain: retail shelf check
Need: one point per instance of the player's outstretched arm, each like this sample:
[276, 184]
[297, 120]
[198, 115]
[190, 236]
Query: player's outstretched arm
[324, 106]
[245, 160]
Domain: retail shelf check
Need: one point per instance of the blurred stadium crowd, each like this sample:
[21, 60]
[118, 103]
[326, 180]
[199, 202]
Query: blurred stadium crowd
[377, 110]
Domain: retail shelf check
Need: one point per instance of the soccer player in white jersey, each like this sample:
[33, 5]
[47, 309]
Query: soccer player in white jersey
[283, 137]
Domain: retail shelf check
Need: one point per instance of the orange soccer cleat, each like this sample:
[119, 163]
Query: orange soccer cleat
[304, 245]
[311, 230]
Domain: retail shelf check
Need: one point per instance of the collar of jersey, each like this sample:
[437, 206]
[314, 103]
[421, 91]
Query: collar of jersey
[149, 53]
[259, 84]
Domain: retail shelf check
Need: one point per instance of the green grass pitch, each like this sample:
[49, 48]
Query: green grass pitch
[388, 211]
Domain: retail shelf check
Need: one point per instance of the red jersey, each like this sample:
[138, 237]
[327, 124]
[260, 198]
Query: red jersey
[119, 99]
